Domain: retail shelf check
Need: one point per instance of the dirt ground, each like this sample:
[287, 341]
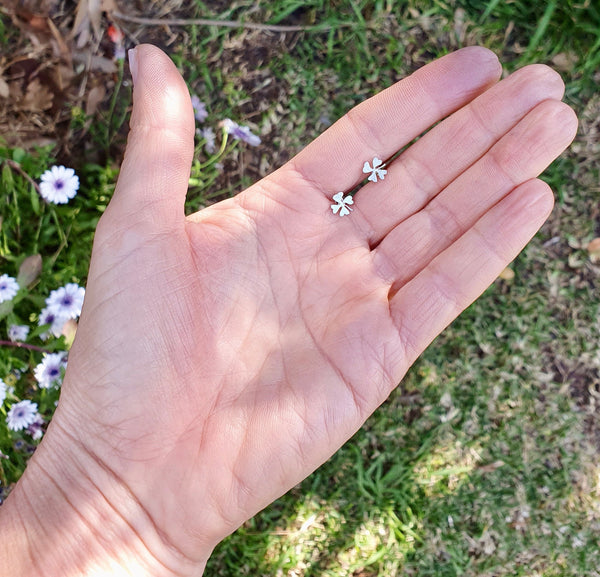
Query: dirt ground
[59, 71]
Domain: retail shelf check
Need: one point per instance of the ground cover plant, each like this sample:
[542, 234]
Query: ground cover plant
[485, 460]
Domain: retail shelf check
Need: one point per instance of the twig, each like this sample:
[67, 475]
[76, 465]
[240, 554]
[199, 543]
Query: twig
[226, 23]
[17, 167]
[24, 346]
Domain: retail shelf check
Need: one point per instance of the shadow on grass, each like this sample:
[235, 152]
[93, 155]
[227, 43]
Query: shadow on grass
[476, 465]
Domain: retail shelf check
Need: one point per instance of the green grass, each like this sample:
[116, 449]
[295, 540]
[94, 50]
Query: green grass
[481, 462]
[484, 461]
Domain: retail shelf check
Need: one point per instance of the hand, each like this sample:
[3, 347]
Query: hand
[222, 357]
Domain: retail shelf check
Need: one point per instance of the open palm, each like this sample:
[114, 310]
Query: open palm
[222, 357]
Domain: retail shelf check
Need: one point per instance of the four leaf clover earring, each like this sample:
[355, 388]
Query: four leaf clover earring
[375, 172]
[342, 204]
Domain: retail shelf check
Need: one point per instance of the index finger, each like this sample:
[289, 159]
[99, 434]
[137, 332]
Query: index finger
[390, 120]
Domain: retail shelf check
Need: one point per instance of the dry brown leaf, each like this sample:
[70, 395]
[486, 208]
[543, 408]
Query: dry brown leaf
[39, 23]
[507, 274]
[69, 330]
[460, 24]
[14, 92]
[4, 88]
[109, 6]
[63, 49]
[594, 245]
[95, 97]
[102, 64]
[94, 61]
[63, 76]
[37, 142]
[491, 467]
[30, 270]
[593, 248]
[87, 21]
[37, 6]
[565, 61]
[37, 97]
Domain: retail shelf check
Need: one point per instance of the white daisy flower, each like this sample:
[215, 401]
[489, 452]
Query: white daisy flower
[8, 288]
[49, 372]
[66, 301]
[3, 391]
[56, 322]
[59, 185]
[18, 332]
[21, 415]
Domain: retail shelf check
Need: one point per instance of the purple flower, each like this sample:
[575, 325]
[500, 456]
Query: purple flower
[35, 429]
[240, 132]
[209, 136]
[119, 53]
[199, 107]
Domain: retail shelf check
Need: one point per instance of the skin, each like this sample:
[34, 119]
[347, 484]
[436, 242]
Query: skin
[222, 357]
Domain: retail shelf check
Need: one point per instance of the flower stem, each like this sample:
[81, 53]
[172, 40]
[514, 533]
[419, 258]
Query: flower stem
[17, 168]
[24, 346]
[216, 157]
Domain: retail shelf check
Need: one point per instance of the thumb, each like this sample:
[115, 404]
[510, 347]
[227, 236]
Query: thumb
[154, 176]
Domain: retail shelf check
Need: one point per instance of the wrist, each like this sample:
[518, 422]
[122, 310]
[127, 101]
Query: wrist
[69, 516]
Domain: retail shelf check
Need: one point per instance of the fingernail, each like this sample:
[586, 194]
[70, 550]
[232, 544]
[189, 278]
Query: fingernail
[133, 63]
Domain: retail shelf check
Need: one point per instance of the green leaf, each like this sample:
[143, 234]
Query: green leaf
[35, 200]
[6, 308]
[18, 155]
[8, 181]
